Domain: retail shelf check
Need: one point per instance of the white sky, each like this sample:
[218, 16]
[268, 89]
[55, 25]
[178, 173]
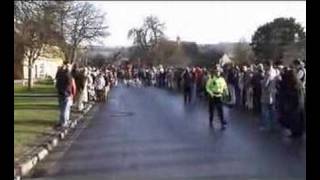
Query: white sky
[204, 22]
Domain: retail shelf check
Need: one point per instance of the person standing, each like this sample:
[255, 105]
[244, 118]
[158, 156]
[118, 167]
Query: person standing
[237, 85]
[247, 84]
[300, 70]
[100, 87]
[232, 83]
[170, 79]
[90, 87]
[107, 78]
[153, 76]
[291, 104]
[199, 77]
[79, 80]
[205, 78]
[242, 86]
[216, 88]
[187, 85]
[268, 97]
[66, 89]
[178, 79]
[256, 87]
[194, 84]
[249, 89]
[160, 76]
[83, 99]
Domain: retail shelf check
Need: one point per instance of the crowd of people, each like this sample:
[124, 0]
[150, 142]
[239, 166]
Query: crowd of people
[78, 85]
[274, 91]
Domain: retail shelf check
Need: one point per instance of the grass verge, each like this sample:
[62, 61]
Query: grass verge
[34, 117]
[37, 89]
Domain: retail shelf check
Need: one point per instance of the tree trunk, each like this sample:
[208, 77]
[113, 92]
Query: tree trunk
[65, 50]
[18, 70]
[72, 55]
[73, 52]
[18, 60]
[30, 79]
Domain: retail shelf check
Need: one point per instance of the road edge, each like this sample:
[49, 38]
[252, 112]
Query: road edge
[24, 168]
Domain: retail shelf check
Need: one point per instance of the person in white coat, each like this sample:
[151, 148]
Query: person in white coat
[100, 87]
[84, 94]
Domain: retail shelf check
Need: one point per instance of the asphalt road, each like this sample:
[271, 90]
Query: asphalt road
[149, 133]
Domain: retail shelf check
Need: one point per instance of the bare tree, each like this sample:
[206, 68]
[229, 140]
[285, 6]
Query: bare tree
[85, 23]
[24, 12]
[34, 27]
[62, 10]
[154, 29]
[37, 34]
[139, 38]
[147, 37]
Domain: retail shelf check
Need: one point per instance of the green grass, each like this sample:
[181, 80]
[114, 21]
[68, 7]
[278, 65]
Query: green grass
[33, 117]
[47, 81]
[36, 89]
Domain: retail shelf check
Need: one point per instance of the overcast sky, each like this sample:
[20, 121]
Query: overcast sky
[203, 22]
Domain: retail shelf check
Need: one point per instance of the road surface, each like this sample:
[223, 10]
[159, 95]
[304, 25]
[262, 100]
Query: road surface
[149, 133]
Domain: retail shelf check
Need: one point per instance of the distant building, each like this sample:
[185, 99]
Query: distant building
[46, 64]
[42, 68]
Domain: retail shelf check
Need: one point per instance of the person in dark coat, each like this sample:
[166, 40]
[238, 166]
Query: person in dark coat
[187, 85]
[66, 89]
[291, 104]
[256, 87]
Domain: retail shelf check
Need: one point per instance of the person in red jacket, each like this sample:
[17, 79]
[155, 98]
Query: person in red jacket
[66, 88]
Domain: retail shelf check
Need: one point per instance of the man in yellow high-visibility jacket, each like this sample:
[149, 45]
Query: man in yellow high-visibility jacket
[216, 88]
